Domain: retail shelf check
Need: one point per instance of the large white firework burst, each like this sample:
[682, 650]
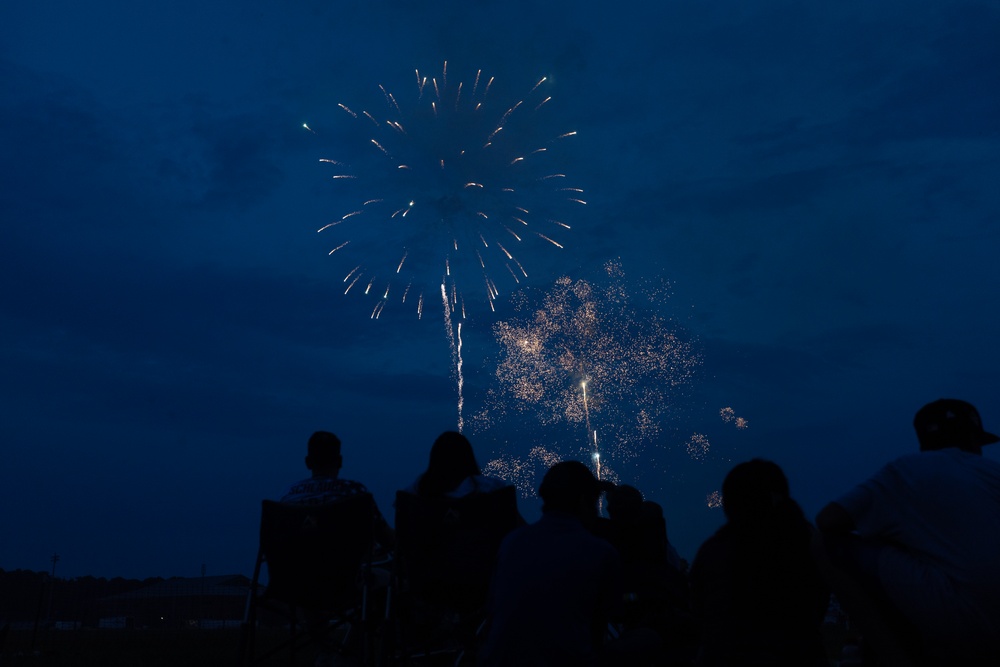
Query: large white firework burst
[445, 185]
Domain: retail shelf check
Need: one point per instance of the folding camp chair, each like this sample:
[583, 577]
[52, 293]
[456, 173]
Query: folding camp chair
[318, 560]
[446, 550]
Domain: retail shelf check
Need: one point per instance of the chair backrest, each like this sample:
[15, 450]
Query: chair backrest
[446, 547]
[315, 553]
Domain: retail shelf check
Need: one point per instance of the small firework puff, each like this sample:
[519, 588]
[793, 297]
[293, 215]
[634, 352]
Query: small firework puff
[714, 500]
[729, 416]
[697, 447]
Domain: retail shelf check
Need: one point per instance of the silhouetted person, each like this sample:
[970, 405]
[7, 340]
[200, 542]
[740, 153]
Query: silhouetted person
[657, 592]
[326, 486]
[756, 591]
[922, 540]
[449, 524]
[556, 584]
[637, 526]
[453, 470]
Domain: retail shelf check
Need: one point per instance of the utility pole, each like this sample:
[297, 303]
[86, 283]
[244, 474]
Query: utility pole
[52, 587]
[201, 598]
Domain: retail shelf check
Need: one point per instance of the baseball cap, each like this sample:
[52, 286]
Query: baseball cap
[949, 422]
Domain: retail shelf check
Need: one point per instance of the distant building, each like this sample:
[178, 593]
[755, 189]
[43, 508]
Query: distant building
[67, 625]
[197, 602]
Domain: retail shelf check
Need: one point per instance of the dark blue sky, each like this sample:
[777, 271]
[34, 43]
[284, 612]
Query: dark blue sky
[815, 181]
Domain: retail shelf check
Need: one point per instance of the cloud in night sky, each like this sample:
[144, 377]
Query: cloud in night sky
[817, 183]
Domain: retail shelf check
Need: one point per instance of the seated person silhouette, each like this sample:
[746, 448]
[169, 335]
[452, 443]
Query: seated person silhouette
[450, 522]
[449, 525]
[556, 584]
[657, 593]
[756, 591]
[636, 527]
[918, 546]
[325, 485]
[453, 471]
[626, 504]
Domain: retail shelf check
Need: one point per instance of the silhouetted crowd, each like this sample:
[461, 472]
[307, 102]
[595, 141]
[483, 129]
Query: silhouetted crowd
[912, 555]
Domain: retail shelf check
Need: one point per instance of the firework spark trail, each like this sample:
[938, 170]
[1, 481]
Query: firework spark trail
[461, 380]
[443, 176]
[632, 360]
[586, 413]
[597, 458]
[456, 351]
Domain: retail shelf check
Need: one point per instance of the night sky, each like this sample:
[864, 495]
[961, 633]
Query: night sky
[807, 189]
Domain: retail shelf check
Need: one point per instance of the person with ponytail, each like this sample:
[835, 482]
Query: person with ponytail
[453, 470]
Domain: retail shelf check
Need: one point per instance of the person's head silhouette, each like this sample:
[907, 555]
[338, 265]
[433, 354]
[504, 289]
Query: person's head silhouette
[753, 489]
[949, 422]
[323, 458]
[451, 461]
[569, 486]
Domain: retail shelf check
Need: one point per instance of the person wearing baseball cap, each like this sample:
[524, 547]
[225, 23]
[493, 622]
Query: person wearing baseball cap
[921, 538]
[949, 422]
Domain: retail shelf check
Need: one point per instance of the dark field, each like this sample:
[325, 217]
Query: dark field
[141, 648]
[176, 648]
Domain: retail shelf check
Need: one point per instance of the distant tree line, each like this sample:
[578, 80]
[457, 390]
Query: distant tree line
[26, 595]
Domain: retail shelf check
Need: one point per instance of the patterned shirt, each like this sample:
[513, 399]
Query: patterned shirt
[323, 490]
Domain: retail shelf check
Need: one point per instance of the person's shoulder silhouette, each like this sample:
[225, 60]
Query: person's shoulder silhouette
[921, 539]
[324, 485]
